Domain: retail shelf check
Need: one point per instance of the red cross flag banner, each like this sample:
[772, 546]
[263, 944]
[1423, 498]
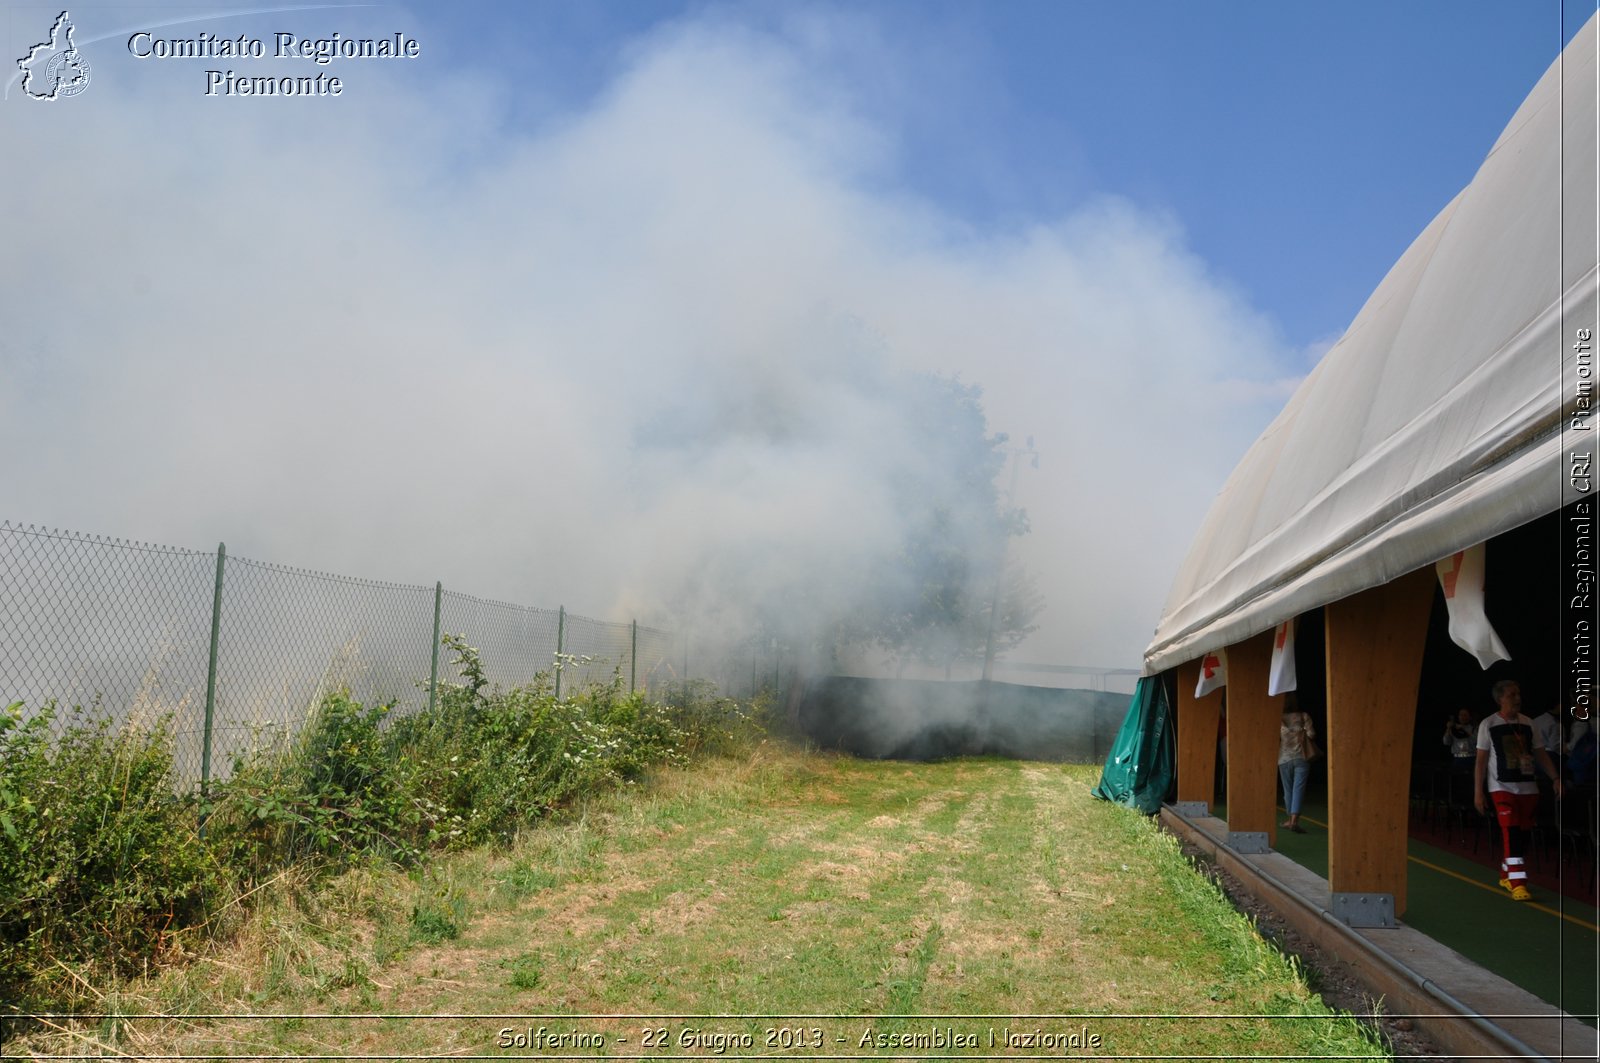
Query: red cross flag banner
[1213, 673]
[1281, 678]
[1461, 576]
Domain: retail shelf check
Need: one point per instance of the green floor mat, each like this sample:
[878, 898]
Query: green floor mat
[1546, 946]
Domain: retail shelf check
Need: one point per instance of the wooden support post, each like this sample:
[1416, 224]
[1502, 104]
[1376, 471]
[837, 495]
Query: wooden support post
[1253, 721]
[1197, 738]
[1374, 650]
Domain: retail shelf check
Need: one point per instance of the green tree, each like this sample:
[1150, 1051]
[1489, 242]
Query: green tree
[933, 598]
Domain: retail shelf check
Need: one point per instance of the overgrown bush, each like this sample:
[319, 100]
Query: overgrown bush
[493, 761]
[99, 856]
[712, 725]
[100, 852]
[330, 794]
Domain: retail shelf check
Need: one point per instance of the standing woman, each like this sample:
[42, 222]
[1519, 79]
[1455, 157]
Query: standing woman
[1295, 733]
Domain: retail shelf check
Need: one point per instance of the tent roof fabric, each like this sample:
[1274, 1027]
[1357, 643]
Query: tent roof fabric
[1436, 421]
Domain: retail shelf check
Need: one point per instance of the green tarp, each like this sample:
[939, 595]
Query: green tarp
[1139, 771]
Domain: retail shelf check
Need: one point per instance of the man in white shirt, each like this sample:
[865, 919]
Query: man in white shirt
[1507, 753]
[1547, 732]
[1578, 729]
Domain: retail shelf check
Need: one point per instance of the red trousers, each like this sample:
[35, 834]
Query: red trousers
[1515, 813]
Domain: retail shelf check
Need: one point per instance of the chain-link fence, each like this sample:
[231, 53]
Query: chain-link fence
[235, 651]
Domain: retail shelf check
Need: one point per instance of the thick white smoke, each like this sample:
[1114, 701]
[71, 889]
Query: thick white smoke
[647, 351]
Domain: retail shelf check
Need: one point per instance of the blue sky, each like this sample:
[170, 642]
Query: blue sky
[420, 331]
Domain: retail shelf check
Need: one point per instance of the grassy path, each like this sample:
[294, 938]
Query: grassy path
[786, 886]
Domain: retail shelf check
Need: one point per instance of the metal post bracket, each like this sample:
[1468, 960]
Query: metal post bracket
[1248, 842]
[1365, 909]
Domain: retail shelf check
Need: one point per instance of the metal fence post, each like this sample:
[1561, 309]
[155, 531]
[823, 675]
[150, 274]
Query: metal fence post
[633, 660]
[561, 645]
[211, 683]
[433, 669]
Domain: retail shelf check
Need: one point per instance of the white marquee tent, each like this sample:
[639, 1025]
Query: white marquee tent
[1437, 420]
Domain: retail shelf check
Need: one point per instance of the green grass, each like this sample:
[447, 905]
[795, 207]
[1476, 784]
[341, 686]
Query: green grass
[782, 885]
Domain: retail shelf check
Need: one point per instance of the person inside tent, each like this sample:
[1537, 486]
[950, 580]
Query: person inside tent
[1460, 734]
[1507, 753]
[1295, 737]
